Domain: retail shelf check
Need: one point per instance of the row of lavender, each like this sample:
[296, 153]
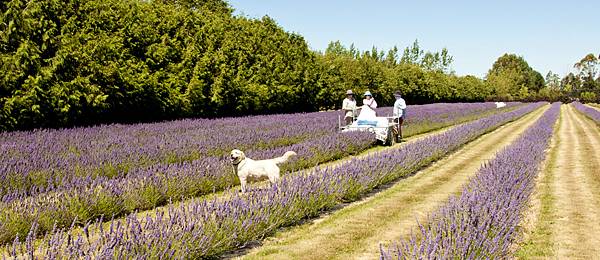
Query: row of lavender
[39, 161]
[592, 113]
[87, 198]
[204, 228]
[158, 185]
[482, 221]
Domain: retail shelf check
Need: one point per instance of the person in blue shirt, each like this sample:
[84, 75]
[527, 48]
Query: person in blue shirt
[399, 114]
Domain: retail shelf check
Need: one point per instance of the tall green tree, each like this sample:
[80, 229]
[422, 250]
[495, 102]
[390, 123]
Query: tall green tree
[552, 80]
[588, 68]
[512, 78]
[81, 62]
[432, 61]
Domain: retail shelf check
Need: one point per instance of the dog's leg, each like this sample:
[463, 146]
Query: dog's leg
[274, 177]
[243, 184]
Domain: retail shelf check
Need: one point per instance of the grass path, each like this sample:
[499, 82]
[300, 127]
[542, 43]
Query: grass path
[567, 223]
[355, 231]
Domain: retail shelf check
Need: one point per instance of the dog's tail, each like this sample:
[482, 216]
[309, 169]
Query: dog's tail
[286, 156]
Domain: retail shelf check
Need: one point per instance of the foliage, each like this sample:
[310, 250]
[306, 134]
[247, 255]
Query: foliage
[437, 61]
[552, 80]
[585, 83]
[588, 97]
[511, 78]
[421, 76]
[587, 86]
[76, 62]
[80, 62]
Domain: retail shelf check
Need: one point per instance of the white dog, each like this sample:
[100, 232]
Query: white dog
[248, 169]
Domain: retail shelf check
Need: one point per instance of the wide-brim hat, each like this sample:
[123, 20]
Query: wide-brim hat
[397, 93]
[349, 92]
[368, 93]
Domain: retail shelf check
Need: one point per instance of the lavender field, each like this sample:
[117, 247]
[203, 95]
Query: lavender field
[59, 178]
[259, 130]
[203, 228]
[155, 208]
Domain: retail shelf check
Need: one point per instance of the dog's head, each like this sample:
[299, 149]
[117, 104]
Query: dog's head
[236, 156]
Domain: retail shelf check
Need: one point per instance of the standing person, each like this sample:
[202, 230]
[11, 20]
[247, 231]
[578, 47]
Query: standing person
[399, 114]
[349, 107]
[369, 100]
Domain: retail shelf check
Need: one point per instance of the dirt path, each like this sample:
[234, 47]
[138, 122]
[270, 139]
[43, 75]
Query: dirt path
[356, 230]
[568, 225]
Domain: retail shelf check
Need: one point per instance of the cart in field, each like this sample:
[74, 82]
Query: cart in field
[383, 128]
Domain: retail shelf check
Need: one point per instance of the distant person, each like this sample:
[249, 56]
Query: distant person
[399, 114]
[349, 107]
[369, 100]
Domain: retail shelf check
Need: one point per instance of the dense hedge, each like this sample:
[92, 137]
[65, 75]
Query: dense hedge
[76, 62]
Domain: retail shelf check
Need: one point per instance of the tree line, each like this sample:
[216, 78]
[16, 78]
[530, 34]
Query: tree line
[583, 85]
[78, 62]
[511, 78]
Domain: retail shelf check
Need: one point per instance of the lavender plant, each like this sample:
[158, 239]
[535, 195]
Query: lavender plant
[588, 111]
[209, 227]
[482, 222]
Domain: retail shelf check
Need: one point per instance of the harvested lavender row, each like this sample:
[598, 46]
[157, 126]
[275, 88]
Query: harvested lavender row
[87, 198]
[588, 111]
[40, 161]
[482, 221]
[205, 228]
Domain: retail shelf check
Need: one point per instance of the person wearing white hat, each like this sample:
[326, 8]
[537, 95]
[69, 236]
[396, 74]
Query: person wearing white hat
[369, 100]
[349, 107]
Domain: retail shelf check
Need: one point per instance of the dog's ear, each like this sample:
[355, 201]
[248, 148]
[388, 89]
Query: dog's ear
[242, 155]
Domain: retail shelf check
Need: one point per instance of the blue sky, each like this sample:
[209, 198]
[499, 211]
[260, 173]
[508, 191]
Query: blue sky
[550, 35]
